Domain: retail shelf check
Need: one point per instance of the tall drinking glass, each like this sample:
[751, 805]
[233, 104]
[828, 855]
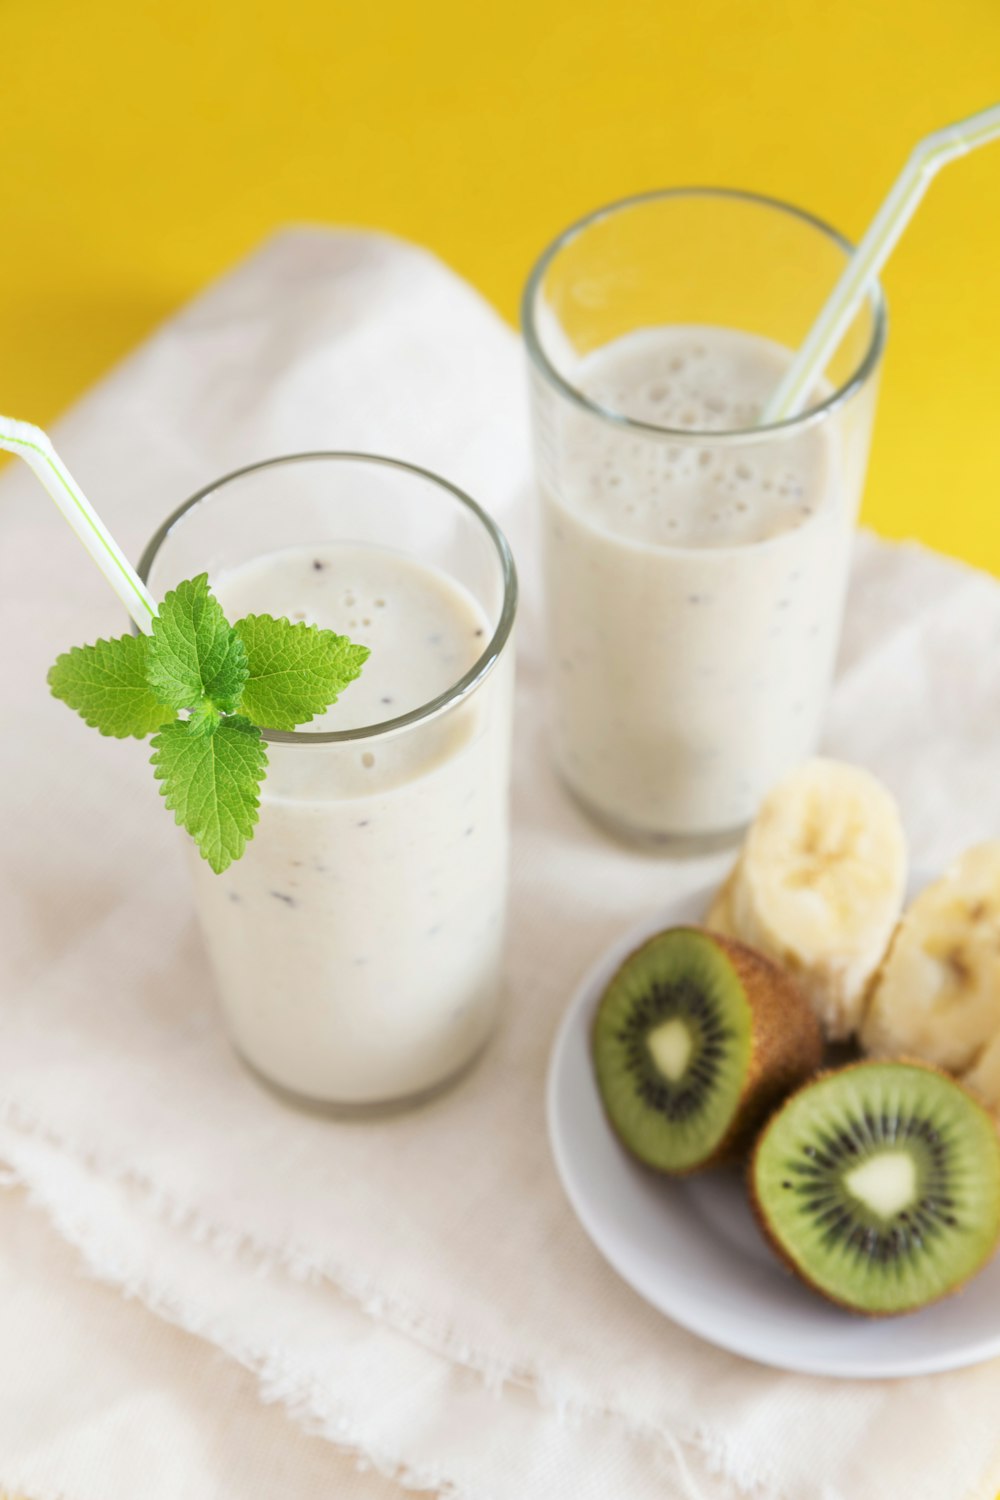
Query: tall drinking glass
[357, 946]
[695, 561]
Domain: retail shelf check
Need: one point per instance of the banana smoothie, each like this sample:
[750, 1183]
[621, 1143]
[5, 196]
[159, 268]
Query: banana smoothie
[695, 589]
[357, 945]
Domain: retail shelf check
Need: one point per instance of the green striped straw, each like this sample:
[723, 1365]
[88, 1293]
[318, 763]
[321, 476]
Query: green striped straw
[861, 271]
[34, 446]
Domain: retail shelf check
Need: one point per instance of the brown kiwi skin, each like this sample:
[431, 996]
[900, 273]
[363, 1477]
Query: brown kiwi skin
[786, 1045]
[778, 1248]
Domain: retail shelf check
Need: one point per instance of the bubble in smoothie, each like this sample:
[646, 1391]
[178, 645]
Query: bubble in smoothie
[701, 380]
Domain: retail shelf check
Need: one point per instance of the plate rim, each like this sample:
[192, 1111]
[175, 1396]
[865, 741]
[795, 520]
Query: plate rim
[584, 993]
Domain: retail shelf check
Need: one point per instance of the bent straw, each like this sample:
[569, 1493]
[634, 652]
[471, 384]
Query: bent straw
[862, 270]
[34, 446]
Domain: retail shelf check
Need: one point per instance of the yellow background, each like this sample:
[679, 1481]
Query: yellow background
[148, 143]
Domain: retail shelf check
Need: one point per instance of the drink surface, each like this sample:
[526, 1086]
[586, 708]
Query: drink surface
[357, 944]
[424, 631]
[694, 379]
[695, 587]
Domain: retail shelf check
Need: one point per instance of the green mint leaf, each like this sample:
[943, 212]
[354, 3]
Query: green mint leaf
[295, 671]
[211, 783]
[195, 652]
[205, 717]
[106, 684]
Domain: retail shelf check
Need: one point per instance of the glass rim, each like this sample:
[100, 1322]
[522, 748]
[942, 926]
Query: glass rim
[813, 414]
[459, 690]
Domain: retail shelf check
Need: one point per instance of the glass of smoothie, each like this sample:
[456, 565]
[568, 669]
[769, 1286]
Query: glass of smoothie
[357, 946]
[695, 558]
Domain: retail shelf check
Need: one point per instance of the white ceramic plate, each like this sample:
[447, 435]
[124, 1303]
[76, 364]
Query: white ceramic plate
[691, 1247]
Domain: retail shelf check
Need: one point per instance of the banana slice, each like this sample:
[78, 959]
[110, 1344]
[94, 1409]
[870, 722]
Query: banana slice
[720, 917]
[938, 996]
[984, 1077]
[819, 885]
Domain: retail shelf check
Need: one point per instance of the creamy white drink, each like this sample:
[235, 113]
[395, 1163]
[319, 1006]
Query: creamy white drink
[695, 591]
[357, 944]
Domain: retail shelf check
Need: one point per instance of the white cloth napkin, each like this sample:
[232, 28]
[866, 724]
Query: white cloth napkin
[99, 1398]
[415, 1290]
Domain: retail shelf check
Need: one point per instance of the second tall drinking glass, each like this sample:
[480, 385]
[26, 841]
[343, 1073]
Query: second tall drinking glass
[695, 561]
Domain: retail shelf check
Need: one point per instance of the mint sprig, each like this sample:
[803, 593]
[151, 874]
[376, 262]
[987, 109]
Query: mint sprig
[206, 688]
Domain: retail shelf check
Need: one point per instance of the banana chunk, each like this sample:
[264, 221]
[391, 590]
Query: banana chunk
[818, 886]
[938, 996]
[720, 917]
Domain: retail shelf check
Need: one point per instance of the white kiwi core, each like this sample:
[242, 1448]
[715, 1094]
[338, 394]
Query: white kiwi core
[670, 1045]
[885, 1183]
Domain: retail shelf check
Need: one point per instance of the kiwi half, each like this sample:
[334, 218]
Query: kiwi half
[879, 1185]
[695, 1039]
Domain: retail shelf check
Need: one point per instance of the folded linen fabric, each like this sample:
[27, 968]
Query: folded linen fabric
[102, 1400]
[419, 1282]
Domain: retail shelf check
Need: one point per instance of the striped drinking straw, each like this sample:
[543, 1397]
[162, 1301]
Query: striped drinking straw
[861, 271]
[34, 446]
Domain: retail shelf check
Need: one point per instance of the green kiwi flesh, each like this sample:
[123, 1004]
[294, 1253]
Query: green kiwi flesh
[879, 1185]
[694, 1039]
